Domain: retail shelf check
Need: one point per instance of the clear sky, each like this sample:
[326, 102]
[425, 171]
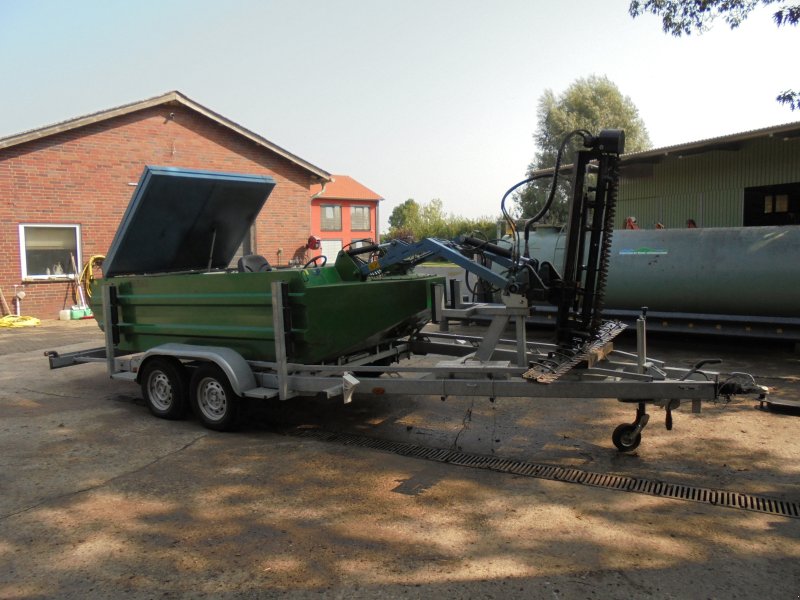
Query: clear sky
[415, 99]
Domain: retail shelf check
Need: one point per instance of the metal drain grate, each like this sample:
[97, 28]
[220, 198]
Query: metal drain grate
[652, 487]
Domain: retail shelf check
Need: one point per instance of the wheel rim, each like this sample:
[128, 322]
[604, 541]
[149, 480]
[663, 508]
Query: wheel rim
[211, 399]
[159, 390]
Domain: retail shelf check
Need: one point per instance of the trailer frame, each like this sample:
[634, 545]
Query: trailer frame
[489, 366]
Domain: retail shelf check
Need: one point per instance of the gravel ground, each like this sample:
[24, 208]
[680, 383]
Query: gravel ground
[102, 500]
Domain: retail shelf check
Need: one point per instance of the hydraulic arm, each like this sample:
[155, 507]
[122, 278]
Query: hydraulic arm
[578, 291]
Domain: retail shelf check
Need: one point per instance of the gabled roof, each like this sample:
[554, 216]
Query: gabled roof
[342, 187]
[170, 98]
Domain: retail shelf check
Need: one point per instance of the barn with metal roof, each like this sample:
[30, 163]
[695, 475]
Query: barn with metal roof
[743, 179]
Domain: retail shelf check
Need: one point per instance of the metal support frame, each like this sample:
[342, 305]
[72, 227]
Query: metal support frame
[488, 366]
[641, 341]
[278, 289]
[110, 320]
[438, 307]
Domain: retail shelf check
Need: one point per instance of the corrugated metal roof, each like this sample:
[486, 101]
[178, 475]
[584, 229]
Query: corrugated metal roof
[169, 97]
[343, 187]
[725, 142]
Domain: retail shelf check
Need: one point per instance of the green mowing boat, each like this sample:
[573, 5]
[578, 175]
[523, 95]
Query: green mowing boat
[169, 265]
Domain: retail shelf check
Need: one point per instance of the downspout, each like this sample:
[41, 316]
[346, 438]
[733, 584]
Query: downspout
[378, 221]
[322, 191]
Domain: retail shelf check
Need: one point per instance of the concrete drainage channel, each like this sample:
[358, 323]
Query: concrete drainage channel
[639, 485]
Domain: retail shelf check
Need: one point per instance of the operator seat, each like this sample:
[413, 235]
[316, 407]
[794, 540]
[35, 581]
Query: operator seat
[253, 263]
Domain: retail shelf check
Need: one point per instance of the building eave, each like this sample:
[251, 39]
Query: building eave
[725, 143]
[349, 198]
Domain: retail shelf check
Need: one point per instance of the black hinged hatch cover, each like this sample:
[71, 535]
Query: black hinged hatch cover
[185, 220]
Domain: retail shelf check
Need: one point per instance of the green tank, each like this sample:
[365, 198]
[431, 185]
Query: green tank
[746, 271]
[169, 262]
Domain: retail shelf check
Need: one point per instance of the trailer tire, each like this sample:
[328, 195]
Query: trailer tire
[214, 402]
[622, 437]
[164, 387]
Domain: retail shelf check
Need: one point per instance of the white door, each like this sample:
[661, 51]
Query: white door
[330, 248]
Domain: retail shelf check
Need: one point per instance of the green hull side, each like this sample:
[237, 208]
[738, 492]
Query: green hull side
[329, 316]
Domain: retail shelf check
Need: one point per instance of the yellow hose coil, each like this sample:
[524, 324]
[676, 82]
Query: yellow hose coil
[87, 273]
[15, 321]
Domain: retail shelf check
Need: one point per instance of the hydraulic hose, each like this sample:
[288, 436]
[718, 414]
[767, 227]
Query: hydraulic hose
[551, 196]
[486, 245]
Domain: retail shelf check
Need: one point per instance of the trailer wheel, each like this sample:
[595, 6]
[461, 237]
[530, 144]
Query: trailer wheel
[164, 384]
[623, 439]
[213, 399]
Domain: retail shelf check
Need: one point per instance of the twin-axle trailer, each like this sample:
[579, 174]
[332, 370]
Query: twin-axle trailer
[214, 381]
[195, 333]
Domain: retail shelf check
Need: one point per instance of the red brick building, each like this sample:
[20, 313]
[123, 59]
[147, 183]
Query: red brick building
[343, 212]
[64, 189]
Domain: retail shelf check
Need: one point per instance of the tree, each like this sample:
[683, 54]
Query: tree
[404, 215]
[679, 18]
[592, 103]
[410, 220]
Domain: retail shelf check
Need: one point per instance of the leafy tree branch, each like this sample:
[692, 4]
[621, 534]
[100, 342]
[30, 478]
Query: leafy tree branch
[684, 17]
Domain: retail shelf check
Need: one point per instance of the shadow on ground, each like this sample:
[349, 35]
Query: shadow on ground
[102, 500]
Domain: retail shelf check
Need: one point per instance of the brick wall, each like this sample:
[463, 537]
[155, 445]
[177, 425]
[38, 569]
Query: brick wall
[83, 177]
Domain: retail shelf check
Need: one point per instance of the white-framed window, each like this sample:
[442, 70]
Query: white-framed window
[46, 251]
[331, 217]
[359, 218]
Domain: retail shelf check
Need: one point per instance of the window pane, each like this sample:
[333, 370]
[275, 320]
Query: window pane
[781, 203]
[767, 204]
[50, 238]
[331, 218]
[359, 218]
[49, 251]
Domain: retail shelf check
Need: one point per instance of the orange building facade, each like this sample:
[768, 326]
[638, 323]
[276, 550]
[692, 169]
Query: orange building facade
[343, 212]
